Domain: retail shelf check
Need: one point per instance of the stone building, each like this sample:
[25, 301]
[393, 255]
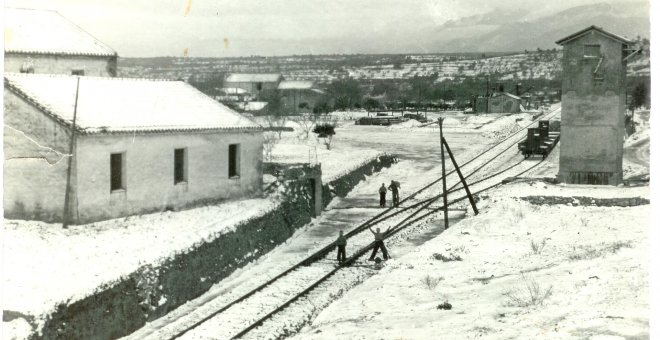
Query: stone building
[299, 95]
[593, 107]
[140, 146]
[498, 102]
[254, 83]
[42, 41]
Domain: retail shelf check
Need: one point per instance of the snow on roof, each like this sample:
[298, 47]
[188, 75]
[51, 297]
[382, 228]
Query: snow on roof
[253, 106]
[43, 31]
[593, 28]
[295, 85]
[253, 77]
[233, 90]
[126, 105]
[496, 94]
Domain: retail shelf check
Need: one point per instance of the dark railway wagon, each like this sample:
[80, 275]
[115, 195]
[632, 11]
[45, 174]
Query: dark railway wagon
[539, 141]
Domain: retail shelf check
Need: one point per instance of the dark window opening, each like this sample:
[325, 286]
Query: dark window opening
[179, 165]
[592, 51]
[259, 86]
[117, 179]
[234, 160]
[77, 72]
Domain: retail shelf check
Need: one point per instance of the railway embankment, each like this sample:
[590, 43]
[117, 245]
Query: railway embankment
[119, 307]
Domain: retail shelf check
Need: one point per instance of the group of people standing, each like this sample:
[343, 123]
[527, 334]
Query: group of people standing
[379, 236]
[394, 187]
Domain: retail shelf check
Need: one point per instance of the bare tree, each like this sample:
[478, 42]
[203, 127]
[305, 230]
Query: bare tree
[307, 122]
[269, 144]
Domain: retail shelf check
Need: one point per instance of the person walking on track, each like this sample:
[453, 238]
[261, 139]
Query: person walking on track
[379, 237]
[394, 186]
[341, 247]
[383, 193]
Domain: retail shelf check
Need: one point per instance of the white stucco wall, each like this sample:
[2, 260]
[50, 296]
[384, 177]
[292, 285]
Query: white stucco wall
[35, 163]
[63, 64]
[150, 172]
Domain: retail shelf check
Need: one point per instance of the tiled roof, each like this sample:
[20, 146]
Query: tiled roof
[578, 34]
[42, 31]
[119, 105]
[253, 77]
[295, 85]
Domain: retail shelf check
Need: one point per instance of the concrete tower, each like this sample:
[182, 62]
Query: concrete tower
[593, 107]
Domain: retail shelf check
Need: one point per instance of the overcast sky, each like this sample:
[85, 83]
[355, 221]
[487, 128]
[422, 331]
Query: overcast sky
[140, 28]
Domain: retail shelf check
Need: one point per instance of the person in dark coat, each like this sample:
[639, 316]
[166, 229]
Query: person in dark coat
[394, 186]
[379, 237]
[341, 247]
[383, 193]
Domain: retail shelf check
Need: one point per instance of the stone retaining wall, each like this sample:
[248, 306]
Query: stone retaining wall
[587, 201]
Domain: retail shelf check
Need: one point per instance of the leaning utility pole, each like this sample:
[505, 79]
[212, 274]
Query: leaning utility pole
[460, 175]
[444, 175]
[65, 213]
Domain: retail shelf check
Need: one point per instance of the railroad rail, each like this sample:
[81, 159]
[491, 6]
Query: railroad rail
[317, 268]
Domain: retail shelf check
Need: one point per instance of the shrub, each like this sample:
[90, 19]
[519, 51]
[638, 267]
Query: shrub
[588, 252]
[445, 305]
[537, 248]
[431, 282]
[450, 257]
[533, 294]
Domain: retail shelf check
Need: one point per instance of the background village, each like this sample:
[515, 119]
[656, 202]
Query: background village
[202, 198]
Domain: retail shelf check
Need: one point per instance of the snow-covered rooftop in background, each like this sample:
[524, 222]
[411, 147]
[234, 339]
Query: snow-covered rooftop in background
[233, 90]
[253, 77]
[126, 105]
[43, 31]
[295, 85]
[252, 106]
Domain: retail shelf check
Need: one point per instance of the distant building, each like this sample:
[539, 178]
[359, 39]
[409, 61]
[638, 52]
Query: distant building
[299, 95]
[498, 102]
[593, 107]
[41, 41]
[233, 94]
[141, 146]
[253, 83]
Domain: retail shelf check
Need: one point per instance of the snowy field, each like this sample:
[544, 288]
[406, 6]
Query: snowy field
[525, 272]
[46, 265]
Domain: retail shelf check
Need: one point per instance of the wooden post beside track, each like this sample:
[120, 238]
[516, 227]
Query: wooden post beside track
[460, 175]
[444, 180]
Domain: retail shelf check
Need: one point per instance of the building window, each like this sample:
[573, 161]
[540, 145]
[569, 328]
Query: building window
[180, 166]
[260, 86]
[77, 72]
[117, 171]
[234, 160]
[591, 51]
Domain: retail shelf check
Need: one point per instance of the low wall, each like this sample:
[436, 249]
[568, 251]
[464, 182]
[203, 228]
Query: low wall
[344, 184]
[151, 292]
[588, 201]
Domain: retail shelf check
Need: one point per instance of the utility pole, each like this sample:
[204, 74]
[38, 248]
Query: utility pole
[460, 175]
[444, 175]
[65, 213]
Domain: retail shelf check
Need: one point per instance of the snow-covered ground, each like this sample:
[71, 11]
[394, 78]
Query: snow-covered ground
[45, 265]
[525, 272]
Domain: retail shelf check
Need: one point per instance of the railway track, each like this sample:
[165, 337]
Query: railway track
[272, 305]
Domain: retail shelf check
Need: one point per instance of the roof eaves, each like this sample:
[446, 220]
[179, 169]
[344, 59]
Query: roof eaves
[35, 102]
[151, 130]
[113, 54]
[595, 28]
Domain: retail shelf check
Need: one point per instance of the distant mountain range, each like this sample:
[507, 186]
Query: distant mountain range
[512, 30]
